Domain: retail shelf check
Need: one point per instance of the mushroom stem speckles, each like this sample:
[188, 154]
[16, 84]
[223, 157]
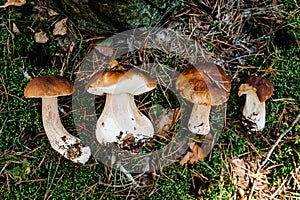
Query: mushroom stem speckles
[199, 119]
[254, 111]
[121, 117]
[64, 143]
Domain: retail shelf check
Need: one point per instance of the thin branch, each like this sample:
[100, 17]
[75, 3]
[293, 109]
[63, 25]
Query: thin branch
[127, 174]
[3, 125]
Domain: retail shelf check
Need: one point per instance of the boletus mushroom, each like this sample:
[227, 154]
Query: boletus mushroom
[204, 84]
[49, 88]
[120, 117]
[257, 90]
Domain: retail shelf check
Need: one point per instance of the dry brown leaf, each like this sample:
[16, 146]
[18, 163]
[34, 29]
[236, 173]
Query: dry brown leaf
[41, 37]
[193, 156]
[166, 119]
[244, 173]
[197, 154]
[13, 3]
[60, 27]
[240, 172]
[297, 176]
[105, 50]
[52, 13]
[186, 158]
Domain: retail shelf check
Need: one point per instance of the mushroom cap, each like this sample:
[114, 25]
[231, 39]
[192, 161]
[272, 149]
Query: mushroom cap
[204, 83]
[262, 86]
[116, 82]
[48, 86]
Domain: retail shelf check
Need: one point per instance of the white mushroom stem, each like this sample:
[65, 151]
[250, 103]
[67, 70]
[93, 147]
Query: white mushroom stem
[199, 119]
[254, 111]
[121, 117]
[63, 142]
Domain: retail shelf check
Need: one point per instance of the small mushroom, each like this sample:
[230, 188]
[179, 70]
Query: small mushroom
[257, 89]
[49, 88]
[120, 117]
[205, 85]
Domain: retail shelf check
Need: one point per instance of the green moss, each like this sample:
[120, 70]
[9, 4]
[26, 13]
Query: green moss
[175, 184]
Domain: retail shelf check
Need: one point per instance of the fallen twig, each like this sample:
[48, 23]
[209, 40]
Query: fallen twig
[3, 125]
[127, 174]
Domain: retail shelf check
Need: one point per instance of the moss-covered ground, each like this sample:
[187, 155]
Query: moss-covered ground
[31, 169]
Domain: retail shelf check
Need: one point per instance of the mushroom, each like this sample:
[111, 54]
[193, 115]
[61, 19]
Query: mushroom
[257, 89]
[121, 118]
[49, 88]
[205, 84]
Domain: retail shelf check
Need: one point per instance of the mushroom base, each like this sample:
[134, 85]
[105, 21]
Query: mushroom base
[61, 141]
[121, 119]
[199, 119]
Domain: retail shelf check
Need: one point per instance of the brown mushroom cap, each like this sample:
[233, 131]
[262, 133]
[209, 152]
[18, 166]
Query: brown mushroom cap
[204, 83]
[48, 86]
[114, 82]
[262, 86]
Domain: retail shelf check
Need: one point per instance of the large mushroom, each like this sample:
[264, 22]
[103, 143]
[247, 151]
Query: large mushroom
[49, 88]
[257, 89]
[204, 84]
[120, 117]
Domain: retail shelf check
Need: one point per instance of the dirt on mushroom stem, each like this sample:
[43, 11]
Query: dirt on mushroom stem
[66, 144]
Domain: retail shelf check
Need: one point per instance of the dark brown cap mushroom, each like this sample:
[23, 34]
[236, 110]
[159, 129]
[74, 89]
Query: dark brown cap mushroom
[257, 89]
[263, 87]
[206, 85]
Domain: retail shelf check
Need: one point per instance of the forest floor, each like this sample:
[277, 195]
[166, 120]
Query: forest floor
[258, 38]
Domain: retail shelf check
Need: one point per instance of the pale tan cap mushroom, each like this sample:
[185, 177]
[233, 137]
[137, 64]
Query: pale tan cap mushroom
[114, 82]
[204, 83]
[48, 86]
[121, 117]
